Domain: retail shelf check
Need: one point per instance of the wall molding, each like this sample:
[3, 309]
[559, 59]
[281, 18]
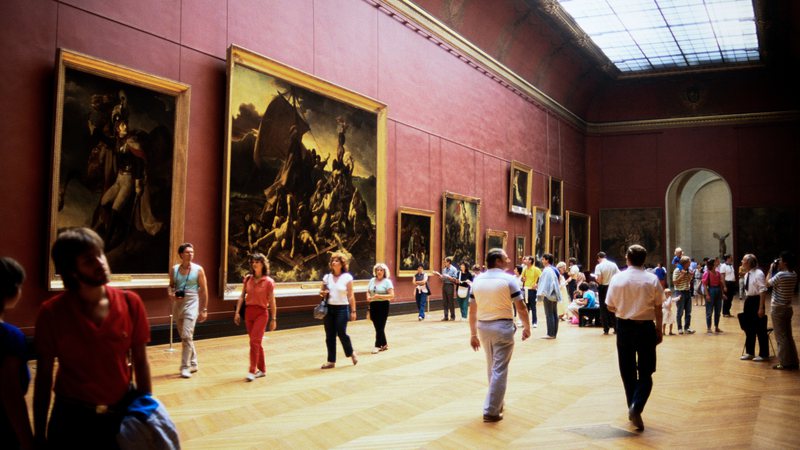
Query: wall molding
[424, 24]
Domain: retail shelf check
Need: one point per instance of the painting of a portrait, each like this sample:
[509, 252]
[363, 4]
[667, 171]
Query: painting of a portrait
[461, 219]
[519, 249]
[556, 198]
[519, 189]
[541, 233]
[766, 232]
[621, 228]
[577, 238]
[556, 248]
[495, 239]
[303, 174]
[119, 165]
[414, 240]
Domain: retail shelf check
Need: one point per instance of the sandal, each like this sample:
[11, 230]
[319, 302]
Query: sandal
[354, 357]
[384, 348]
[328, 365]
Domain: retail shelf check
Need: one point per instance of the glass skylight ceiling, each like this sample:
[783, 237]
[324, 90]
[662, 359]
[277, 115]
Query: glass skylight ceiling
[643, 35]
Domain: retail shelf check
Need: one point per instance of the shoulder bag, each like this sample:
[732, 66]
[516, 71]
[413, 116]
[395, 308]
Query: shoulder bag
[243, 308]
[321, 310]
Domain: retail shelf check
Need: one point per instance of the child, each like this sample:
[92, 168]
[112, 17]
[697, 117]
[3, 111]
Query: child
[668, 311]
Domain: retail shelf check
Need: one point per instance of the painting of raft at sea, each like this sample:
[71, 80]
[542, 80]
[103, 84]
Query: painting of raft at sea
[303, 161]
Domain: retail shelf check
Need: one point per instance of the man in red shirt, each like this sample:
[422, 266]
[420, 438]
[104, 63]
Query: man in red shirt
[90, 328]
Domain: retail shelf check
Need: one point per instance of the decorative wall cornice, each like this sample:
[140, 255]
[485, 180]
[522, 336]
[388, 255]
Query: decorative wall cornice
[417, 19]
[597, 128]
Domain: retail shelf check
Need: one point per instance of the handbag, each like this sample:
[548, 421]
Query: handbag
[321, 310]
[462, 292]
[243, 308]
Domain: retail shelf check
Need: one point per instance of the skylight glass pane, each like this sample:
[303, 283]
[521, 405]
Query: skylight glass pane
[641, 35]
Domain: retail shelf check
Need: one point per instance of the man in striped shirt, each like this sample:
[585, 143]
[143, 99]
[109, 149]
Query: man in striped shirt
[681, 277]
[783, 286]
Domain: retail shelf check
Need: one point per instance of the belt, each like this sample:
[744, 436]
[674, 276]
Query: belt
[635, 321]
[97, 409]
[495, 320]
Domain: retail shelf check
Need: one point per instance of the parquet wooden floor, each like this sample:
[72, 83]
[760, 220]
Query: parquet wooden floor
[428, 389]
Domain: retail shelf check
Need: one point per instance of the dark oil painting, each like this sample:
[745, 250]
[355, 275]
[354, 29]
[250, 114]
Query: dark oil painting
[621, 228]
[460, 225]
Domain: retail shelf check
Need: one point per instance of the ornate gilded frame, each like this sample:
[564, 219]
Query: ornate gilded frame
[520, 179]
[106, 73]
[577, 221]
[555, 198]
[406, 216]
[491, 237]
[544, 239]
[293, 77]
[460, 249]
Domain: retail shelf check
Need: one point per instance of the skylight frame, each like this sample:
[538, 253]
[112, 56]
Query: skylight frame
[676, 35]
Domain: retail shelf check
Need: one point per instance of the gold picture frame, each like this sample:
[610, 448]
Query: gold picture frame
[414, 240]
[295, 145]
[520, 183]
[556, 198]
[461, 222]
[540, 233]
[493, 238]
[577, 233]
[119, 165]
[519, 249]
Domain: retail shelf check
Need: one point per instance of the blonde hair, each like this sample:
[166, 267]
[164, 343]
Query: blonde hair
[341, 257]
[561, 264]
[381, 266]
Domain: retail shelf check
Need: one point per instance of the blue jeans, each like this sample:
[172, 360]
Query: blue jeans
[713, 304]
[336, 325]
[422, 302]
[532, 305]
[684, 304]
[463, 305]
[551, 315]
[497, 339]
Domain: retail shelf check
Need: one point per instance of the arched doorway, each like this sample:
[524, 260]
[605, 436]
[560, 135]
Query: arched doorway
[699, 214]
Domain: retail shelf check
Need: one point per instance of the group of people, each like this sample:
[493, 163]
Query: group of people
[91, 318]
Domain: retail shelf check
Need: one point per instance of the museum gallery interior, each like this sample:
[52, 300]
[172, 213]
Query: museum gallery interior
[403, 131]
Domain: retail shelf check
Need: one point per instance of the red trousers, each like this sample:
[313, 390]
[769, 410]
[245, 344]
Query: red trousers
[255, 320]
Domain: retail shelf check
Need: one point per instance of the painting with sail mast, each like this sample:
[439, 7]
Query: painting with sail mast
[302, 169]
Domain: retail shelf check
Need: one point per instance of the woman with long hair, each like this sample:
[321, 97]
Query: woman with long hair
[712, 289]
[338, 287]
[258, 297]
[463, 288]
[380, 292]
[421, 290]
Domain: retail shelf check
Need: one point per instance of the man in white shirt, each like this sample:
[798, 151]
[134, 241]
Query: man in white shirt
[635, 296]
[491, 324]
[603, 273]
[729, 274]
[754, 320]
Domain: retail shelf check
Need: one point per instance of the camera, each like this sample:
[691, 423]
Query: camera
[180, 293]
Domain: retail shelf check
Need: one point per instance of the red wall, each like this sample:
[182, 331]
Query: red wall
[450, 127]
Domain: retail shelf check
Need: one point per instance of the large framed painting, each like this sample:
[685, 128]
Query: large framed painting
[495, 239]
[556, 248]
[765, 232]
[540, 239]
[519, 189]
[414, 241]
[556, 198]
[621, 228]
[304, 175]
[577, 238]
[519, 249]
[119, 165]
[461, 220]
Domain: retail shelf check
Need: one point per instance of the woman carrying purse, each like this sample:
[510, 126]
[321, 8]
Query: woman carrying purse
[258, 299]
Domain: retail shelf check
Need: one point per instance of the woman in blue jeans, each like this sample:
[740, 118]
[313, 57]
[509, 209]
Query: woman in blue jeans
[712, 284]
[338, 286]
[421, 290]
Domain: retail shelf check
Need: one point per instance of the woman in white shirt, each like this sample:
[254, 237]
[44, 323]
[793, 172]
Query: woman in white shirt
[338, 285]
[380, 292]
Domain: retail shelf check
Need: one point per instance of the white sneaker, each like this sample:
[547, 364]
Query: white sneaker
[746, 356]
[250, 377]
[193, 369]
[260, 374]
[680, 331]
[185, 373]
[536, 325]
[759, 359]
[375, 350]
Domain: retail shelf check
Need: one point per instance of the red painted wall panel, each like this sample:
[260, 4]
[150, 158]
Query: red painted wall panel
[156, 17]
[204, 26]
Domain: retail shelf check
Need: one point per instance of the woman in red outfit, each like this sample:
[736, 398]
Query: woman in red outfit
[258, 295]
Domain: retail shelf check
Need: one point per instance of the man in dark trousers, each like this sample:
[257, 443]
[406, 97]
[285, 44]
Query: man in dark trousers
[635, 296]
